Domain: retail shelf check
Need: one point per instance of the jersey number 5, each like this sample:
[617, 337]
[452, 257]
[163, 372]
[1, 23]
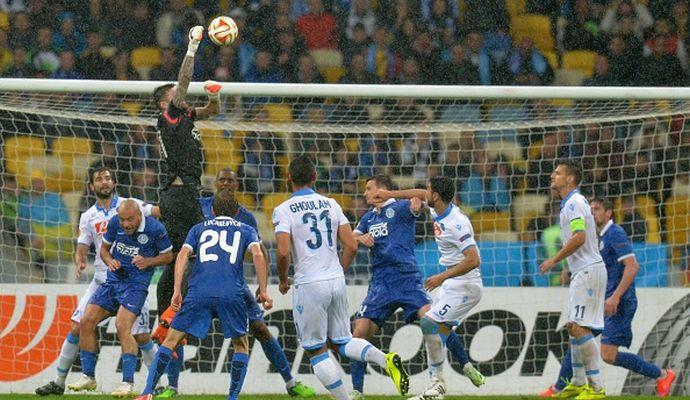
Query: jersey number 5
[318, 241]
[210, 238]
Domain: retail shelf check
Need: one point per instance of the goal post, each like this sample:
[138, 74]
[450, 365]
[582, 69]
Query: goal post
[499, 144]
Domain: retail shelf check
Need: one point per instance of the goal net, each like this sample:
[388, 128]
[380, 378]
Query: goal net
[499, 144]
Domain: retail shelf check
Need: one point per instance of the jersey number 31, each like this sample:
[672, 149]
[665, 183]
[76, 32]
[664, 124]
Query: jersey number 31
[311, 218]
[209, 238]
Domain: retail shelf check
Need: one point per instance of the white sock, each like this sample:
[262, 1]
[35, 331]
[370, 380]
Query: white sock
[579, 378]
[291, 383]
[589, 352]
[362, 350]
[435, 355]
[68, 353]
[148, 353]
[329, 375]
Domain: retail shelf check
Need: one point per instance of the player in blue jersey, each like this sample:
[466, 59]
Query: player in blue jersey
[396, 282]
[226, 179]
[132, 246]
[619, 308]
[215, 289]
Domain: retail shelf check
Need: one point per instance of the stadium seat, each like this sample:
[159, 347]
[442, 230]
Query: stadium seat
[498, 236]
[73, 202]
[246, 200]
[490, 221]
[327, 58]
[552, 58]
[4, 21]
[526, 207]
[580, 60]
[279, 112]
[568, 77]
[507, 114]
[333, 74]
[70, 146]
[459, 113]
[508, 149]
[677, 220]
[18, 148]
[132, 107]
[219, 152]
[58, 241]
[516, 7]
[146, 57]
[271, 201]
[342, 199]
[649, 210]
[535, 26]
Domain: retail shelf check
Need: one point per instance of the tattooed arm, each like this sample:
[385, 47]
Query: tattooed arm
[187, 68]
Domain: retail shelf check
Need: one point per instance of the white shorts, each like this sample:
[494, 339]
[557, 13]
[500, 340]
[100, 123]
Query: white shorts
[320, 312]
[586, 297]
[141, 325]
[454, 301]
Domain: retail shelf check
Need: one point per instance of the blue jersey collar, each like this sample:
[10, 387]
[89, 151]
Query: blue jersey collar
[605, 228]
[445, 213]
[142, 225]
[113, 204]
[303, 192]
[384, 205]
[568, 197]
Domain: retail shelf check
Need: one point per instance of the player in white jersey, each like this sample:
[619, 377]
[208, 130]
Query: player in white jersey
[460, 284]
[309, 226]
[587, 291]
[92, 225]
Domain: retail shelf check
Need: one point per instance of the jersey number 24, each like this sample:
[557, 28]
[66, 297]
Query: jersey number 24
[210, 238]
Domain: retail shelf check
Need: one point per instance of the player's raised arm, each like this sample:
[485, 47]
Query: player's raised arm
[212, 89]
[184, 77]
[383, 194]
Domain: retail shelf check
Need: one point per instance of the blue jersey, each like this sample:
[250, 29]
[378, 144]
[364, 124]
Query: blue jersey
[614, 247]
[219, 245]
[393, 230]
[149, 240]
[243, 215]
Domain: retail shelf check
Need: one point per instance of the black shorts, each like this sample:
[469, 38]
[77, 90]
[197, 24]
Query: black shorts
[180, 211]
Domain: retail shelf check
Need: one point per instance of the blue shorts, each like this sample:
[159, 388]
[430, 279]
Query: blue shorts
[112, 295]
[255, 312]
[196, 314]
[618, 327]
[383, 299]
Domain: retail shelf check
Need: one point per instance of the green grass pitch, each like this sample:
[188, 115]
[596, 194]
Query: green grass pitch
[285, 397]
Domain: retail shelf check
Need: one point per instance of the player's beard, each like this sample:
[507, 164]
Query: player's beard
[104, 194]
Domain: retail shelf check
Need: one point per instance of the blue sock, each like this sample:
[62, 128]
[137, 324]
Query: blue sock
[357, 371]
[635, 363]
[238, 370]
[129, 364]
[276, 356]
[158, 366]
[88, 363]
[174, 367]
[454, 344]
[566, 372]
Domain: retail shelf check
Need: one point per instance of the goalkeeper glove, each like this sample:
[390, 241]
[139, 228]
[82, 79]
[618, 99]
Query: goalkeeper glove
[162, 329]
[212, 89]
[195, 36]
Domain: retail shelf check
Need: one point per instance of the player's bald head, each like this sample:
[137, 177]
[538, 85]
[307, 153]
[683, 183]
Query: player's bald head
[128, 205]
[225, 204]
[129, 215]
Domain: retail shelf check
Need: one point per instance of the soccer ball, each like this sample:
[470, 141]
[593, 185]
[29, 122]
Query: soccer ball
[222, 31]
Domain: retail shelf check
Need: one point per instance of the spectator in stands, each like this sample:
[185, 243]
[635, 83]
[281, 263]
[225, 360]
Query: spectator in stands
[12, 6]
[440, 18]
[428, 58]
[226, 68]
[675, 45]
[263, 70]
[357, 72]
[381, 60]
[540, 168]
[41, 12]
[633, 42]
[6, 54]
[602, 76]
[375, 156]
[121, 68]
[619, 10]
[409, 74]
[479, 57]
[173, 25]
[485, 189]
[91, 62]
[307, 71]
[394, 13]
[67, 69]
[582, 30]
[168, 68]
[20, 67]
[633, 223]
[360, 14]
[639, 176]
[357, 44]
[44, 215]
[403, 37]
[9, 210]
[21, 34]
[459, 70]
[622, 64]
[484, 16]
[421, 156]
[44, 57]
[679, 19]
[318, 28]
[288, 50]
[342, 174]
[528, 66]
[140, 31]
[681, 182]
[259, 172]
[68, 37]
[145, 185]
[356, 210]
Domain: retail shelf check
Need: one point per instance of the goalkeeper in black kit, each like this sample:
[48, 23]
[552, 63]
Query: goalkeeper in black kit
[183, 155]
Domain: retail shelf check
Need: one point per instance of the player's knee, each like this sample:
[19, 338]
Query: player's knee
[74, 330]
[609, 354]
[240, 344]
[260, 331]
[429, 327]
[142, 338]
[123, 327]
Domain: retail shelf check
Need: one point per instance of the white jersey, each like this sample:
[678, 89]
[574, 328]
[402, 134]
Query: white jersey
[92, 225]
[454, 234]
[575, 207]
[312, 220]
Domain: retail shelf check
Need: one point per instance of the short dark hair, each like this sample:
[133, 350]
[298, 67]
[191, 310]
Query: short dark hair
[572, 168]
[302, 170]
[159, 93]
[444, 186]
[97, 169]
[382, 181]
[225, 204]
[606, 203]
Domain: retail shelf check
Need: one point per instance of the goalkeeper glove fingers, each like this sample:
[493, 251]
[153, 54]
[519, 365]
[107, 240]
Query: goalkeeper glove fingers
[212, 89]
[195, 36]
